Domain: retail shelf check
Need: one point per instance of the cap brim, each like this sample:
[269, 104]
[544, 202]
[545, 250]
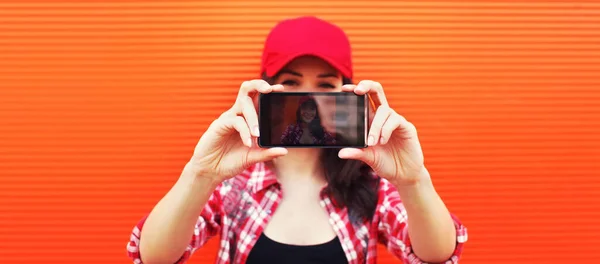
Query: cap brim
[274, 68]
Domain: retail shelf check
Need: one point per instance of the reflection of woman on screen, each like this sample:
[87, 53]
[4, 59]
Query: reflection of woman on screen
[308, 128]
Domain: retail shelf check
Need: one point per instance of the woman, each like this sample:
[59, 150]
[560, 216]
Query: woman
[302, 205]
[308, 129]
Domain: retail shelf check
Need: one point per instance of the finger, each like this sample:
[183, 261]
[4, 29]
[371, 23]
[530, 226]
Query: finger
[250, 88]
[374, 89]
[364, 155]
[277, 88]
[257, 155]
[239, 124]
[348, 87]
[228, 114]
[391, 124]
[407, 128]
[253, 86]
[261, 86]
[381, 116]
[250, 115]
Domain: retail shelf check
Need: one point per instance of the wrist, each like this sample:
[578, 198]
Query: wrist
[420, 183]
[197, 173]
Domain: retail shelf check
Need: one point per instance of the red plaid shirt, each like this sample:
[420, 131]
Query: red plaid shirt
[240, 208]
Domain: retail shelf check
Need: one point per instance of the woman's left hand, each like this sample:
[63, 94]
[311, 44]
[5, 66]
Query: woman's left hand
[393, 151]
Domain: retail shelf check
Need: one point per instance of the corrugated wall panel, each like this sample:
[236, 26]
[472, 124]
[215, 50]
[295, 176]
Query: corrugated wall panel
[101, 104]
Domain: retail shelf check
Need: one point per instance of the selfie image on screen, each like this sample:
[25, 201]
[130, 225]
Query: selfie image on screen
[314, 120]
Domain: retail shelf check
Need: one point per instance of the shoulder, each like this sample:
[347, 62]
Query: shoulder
[238, 192]
[247, 181]
[293, 126]
[388, 197]
[233, 191]
[237, 183]
[386, 188]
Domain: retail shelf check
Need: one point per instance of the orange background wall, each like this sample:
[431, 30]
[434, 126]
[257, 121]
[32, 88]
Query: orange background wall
[101, 104]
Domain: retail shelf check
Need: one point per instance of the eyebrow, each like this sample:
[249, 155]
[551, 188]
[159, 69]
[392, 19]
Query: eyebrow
[323, 75]
[290, 72]
[326, 75]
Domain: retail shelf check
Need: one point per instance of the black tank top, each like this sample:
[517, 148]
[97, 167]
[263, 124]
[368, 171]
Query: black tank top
[267, 251]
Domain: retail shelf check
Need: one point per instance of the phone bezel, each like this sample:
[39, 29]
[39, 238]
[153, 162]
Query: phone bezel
[263, 119]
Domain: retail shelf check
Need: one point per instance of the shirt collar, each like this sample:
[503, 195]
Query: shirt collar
[262, 177]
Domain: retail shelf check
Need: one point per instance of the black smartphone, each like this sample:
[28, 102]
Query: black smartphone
[317, 120]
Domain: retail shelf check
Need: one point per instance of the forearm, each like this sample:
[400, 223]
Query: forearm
[170, 226]
[430, 227]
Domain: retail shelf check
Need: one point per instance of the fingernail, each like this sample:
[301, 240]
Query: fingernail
[256, 131]
[382, 140]
[249, 142]
[371, 141]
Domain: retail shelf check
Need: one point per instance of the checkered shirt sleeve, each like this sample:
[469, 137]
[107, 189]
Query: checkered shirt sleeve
[207, 226]
[393, 228]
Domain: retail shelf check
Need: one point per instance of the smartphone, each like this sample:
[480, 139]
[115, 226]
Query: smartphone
[313, 120]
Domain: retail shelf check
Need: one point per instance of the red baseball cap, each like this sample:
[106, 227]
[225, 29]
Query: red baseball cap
[304, 99]
[306, 35]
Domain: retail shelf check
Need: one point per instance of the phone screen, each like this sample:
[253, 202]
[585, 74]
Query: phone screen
[325, 120]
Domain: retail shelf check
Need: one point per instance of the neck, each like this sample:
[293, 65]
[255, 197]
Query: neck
[300, 164]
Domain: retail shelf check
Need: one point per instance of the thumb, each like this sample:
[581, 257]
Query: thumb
[256, 155]
[364, 155]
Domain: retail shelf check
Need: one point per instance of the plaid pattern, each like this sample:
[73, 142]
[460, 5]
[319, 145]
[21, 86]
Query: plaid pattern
[241, 207]
[293, 134]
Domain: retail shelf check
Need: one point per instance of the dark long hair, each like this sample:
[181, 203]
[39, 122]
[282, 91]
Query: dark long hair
[315, 127]
[350, 182]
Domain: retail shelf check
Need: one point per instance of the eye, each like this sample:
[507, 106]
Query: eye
[327, 85]
[290, 83]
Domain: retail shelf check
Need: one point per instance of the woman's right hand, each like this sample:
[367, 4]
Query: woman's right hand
[229, 144]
